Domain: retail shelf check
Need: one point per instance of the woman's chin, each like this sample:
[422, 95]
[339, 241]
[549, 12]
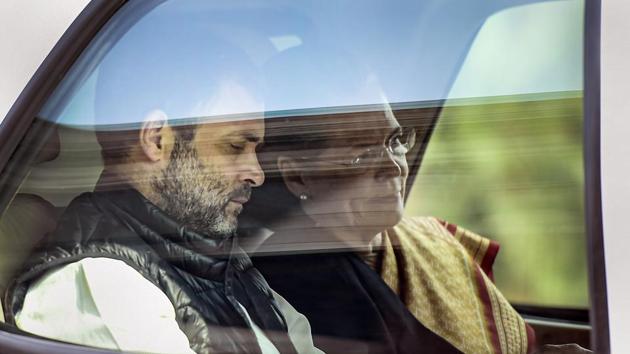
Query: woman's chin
[381, 220]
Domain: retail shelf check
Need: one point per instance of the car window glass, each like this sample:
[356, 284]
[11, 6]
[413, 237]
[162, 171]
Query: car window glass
[377, 155]
[509, 148]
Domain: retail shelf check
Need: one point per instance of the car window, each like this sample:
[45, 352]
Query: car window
[375, 155]
[508, 149]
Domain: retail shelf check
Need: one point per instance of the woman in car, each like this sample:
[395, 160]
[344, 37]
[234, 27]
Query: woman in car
[336, 244]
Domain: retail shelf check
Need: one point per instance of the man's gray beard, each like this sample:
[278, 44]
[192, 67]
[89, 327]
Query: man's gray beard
[194, 194]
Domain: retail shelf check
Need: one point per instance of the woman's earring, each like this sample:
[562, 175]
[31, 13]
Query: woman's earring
[303, 196]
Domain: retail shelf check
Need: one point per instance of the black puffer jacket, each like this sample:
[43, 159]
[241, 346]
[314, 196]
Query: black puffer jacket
[203, 277]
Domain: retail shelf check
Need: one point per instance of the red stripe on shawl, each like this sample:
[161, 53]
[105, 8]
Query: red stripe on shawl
[488, 259]
[450, 227]
[484, 296]
[487, 262]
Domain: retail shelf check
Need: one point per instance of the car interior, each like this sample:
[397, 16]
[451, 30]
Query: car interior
[57, 162]
[68, 163]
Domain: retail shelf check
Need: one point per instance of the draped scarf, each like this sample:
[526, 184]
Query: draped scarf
[443, 274]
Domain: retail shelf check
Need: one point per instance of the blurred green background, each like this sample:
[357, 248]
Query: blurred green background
[510, 168]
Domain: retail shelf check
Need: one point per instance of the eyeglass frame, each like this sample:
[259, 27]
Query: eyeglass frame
[378, 152]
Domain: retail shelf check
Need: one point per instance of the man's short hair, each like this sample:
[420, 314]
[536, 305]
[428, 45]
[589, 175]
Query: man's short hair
[116, 145]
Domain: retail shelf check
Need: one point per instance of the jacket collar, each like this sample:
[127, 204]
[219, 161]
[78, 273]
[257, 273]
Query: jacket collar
[203, 255]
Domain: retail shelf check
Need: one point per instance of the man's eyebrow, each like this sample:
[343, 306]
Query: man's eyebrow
[249, 136]
[392, 130]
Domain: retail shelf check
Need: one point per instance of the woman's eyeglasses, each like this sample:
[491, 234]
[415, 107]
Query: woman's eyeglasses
[398, 144]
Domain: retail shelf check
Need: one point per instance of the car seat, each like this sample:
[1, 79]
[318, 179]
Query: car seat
[68, 164]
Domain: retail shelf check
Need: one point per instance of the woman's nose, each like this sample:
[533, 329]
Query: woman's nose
[389, 165]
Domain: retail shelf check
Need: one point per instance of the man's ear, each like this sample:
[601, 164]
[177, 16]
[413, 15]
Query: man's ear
[292, 176]
[154, 136]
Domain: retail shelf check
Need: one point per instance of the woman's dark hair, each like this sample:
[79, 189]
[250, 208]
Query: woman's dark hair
[273, 201]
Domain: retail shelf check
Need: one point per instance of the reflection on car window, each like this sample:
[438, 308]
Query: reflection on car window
[277, 177]
[512, 156]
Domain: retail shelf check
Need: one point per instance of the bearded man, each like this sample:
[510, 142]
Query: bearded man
[148, 261]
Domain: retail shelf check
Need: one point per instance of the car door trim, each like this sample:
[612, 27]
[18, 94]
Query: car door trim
[20, 117]
[600, 337]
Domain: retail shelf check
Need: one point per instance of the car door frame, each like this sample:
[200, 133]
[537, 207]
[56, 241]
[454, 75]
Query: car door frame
[14, 128]
[600, 338]
[98, 12]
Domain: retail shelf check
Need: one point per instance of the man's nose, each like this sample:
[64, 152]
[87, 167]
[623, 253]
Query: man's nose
[251, 172]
